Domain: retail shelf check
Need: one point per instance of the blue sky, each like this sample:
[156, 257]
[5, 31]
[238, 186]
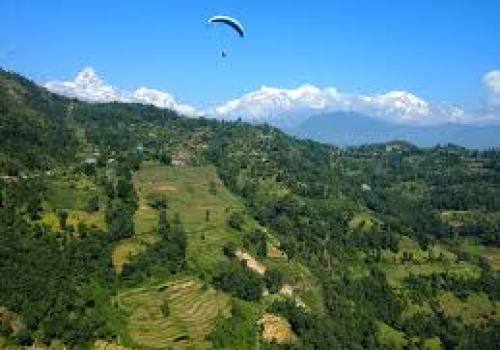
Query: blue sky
[439, 50]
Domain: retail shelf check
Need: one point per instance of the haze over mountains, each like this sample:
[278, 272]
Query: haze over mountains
[347, 129]
[326, 114]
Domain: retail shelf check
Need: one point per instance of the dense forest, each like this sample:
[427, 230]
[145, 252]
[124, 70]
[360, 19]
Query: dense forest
[403, 242]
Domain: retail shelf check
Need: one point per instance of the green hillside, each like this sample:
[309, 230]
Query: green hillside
[124, 226]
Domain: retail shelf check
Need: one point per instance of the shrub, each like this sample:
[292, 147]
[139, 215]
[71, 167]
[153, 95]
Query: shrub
[165, 309]
[157, 201]
[93, 204]
[274, 280]
[235, 220]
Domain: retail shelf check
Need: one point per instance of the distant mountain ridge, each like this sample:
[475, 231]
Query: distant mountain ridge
[302, 112]
[352, 129]
[325, 114]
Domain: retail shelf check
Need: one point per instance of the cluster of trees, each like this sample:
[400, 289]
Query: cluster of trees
[164, 258]
[309, 193]
[122, 203]
[35, 135]
[427, 287]
[50, 283]
[239, 331]
[237, 279]
[485, 227]
[256, 243]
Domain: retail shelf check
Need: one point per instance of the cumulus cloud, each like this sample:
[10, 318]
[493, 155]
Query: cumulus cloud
[394, 106]
[88, 86]
[491, 81]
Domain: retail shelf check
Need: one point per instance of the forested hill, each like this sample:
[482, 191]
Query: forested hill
[124, 224]
[35, 130]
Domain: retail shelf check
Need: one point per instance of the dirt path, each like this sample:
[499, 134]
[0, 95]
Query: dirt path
[277, 329]
[251, 262]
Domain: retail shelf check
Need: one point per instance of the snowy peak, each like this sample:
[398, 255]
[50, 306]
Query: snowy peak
[289, 107]
[269, 101]
[88, 86]
[268, 104]
[88, 78]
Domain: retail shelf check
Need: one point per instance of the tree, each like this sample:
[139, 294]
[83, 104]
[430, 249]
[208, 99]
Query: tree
[124, 188]
[119, 220]
[163, 225]
[89, 169]
[235, 220]
[157, 201]
[165, 158]
[109, 188]
[256, 242]
[274, 280]
[34, 206]
[165, 309]
[229, 249]
[63, 217]
[177, 240]
[240, 281]
[93, 204]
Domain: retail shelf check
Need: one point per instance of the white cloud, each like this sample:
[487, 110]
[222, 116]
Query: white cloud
[491, 80]
[88, 86]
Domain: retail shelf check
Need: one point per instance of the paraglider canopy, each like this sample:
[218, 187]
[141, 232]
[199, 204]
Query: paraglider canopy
[230, 21]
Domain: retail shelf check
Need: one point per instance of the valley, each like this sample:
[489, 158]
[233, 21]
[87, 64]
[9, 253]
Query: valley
[155, 232]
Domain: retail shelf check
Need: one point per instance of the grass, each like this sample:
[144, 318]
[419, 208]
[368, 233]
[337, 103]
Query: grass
[362, 222]
[476, 310]
[435, 259]
[72, 194]
[305, 283]
[396, 273]
[188, 193]
[194, 308]
[433, 344]
[413, 309]
[408, 246]
[391, 338]
[115, 318]
[491, 254]
[95, 220]
[124, 250]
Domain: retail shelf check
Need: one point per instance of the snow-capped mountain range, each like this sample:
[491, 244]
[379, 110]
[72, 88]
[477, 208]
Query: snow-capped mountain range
[290, 108]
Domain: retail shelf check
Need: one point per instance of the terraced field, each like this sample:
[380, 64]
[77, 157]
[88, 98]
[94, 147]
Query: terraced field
[193, 309]
[491, 254]
[71, 194]
[477, 309]
[198, 196]
[397, 273]
[202, 202]
[435, 259]
[393, 339]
